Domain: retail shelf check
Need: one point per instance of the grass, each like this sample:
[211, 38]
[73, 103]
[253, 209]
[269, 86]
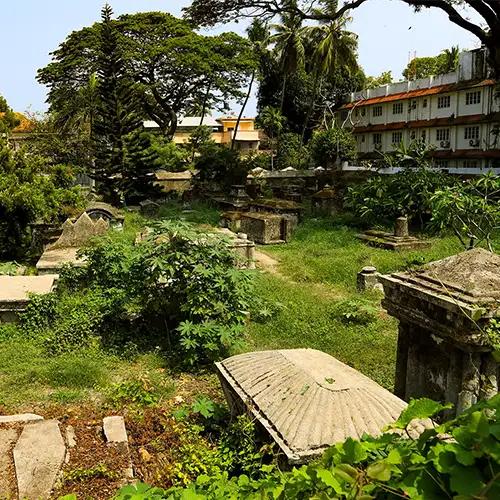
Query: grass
[318, 270]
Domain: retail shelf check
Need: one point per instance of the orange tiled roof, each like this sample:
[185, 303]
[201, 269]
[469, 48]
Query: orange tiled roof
[439, 89]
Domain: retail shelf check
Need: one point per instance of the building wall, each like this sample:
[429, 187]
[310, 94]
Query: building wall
[445, 111]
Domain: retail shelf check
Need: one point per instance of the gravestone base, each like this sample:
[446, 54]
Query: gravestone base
[389, 241]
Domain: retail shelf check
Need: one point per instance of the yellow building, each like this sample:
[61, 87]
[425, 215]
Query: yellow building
[223, 130]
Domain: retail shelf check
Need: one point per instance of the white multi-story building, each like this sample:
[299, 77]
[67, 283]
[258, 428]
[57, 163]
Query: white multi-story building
[457, 113]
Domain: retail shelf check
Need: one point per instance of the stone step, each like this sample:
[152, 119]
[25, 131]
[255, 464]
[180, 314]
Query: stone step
[38, 456]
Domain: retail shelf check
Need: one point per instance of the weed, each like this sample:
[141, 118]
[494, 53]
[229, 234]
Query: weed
[100, 471]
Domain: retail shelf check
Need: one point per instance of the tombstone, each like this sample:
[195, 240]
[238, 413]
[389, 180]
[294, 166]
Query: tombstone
[74, 236]
[242, 247]
[368, 279]
[305, 399]
[444, 310]
[397, 241]
[279, 207]
[324, 202]
[15, 293]
[99, 210]
[238, 198]
[149, 208]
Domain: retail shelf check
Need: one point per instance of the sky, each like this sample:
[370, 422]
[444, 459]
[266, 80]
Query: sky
[389, 31]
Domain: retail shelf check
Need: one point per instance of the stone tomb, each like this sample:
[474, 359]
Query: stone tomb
[74, 236]
[325, 202]
[399, 240]
[305, 399]
[443, 311]
[262, 227]
[15, 293]
[242, 247]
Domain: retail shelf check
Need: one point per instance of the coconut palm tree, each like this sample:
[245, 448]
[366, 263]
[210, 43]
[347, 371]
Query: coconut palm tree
[450, 57]
[289, 45]
[333, 48]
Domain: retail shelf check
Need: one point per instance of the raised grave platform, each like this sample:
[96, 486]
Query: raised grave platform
[262, 227]
[15, 292]
[397, 241]
[305, 399]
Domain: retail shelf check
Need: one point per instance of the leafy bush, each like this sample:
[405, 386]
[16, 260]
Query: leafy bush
[328, 146]
[147, 390]
[383, 198]
[470, 208]
[169, 156]
[30, 190]
[220, 165]
[354, 311]
[458, 459]
[180, 285]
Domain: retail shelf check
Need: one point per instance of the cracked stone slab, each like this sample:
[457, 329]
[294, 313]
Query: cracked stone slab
[38, 457]
[20, 418]
[7, 439]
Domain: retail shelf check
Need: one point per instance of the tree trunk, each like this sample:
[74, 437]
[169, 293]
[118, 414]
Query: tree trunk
[283, 88]
[317, 83]
[242, 110]
[204, 106]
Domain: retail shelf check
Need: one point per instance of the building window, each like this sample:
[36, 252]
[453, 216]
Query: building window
[344, 115]
[363, 111]
[424, 104]
[443, 134]
[444, 101]
[471, 133]
[471, 164]
[377, 138]
[397, 137]
[423, 136]
[397, 108]
[362, 138]
[473, 97]
[442, 163]
[356, 112]
[377, 111]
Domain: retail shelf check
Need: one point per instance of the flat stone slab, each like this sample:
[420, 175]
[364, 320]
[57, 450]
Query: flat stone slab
[114, 429]
[17, 288]
[38, 457]
[20, 418]
[7, 439]
[52, 260]
[306, 399]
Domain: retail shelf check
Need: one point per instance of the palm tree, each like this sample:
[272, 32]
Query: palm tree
[450, 59]
[289, 45]
[333, 48]
[258, 34]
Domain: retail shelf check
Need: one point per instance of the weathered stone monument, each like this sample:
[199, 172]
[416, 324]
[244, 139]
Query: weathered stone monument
[74, 235]
[444, 310]
[399, 240]
[242, 247]
[305, 399]
[15, 293]
[262, 227]
[99, 210]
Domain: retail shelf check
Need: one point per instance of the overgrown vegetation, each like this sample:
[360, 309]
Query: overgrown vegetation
[457, 459]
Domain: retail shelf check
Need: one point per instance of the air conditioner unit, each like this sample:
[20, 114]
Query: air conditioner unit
[378, 146]
[445, 144]
[474, 143]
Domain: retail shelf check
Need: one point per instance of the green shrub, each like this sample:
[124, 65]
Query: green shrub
[354, 311]
[328, 146]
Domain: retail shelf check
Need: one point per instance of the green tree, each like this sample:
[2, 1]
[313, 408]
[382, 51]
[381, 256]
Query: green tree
[175, 69]
[459, 12]
[373, 82]
[8, 119]
[331, 146]
[423, 67]
[272, 122]
[31, 190]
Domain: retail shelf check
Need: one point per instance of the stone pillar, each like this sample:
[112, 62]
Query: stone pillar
[401, 227]
[367, 278]
[489, 382]
[402, 360]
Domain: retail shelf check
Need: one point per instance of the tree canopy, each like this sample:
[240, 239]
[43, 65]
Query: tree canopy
[422, 67]
[487, 29]
[175, 68]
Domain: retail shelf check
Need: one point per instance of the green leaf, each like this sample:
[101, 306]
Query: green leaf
[466, 480]
[380, 471]
[419, 408]
[328, 478]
